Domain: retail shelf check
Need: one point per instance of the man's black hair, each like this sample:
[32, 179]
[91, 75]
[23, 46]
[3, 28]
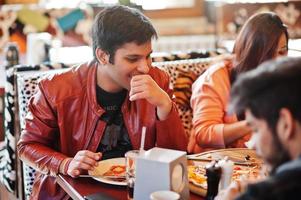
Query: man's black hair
[114, 26]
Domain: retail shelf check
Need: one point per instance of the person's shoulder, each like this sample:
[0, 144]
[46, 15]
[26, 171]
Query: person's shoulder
[217, 73]
[67, 82]
[286, 185]
[65, 77]
[219, 69]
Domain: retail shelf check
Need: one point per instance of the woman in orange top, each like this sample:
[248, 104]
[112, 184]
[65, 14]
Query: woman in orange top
[262, 37]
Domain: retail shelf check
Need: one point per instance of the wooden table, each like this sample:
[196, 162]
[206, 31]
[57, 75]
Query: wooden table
[80, 187]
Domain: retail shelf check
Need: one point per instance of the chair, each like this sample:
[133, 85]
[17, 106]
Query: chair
[10, 169]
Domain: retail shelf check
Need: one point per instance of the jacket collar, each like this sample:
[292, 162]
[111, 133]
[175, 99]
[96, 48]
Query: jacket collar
[291, 165]
[91, 88]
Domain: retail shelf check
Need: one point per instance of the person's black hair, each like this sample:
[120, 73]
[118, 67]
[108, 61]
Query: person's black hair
[114, 26]
[269, 88]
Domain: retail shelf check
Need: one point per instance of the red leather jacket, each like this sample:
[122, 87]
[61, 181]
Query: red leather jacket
[64, 118]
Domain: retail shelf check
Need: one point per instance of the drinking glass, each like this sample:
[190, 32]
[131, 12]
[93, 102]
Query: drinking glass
[130, 164]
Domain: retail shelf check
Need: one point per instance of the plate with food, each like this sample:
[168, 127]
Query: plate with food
[246, 165]
[110, 171]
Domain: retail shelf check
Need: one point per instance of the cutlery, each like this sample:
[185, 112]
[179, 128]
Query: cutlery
[102, 176]
[235, 160]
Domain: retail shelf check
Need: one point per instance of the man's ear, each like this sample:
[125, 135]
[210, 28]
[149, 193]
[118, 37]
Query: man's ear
[102, 56]
[285, 125]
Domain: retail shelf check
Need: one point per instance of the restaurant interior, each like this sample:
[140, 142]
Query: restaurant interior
[41, 36]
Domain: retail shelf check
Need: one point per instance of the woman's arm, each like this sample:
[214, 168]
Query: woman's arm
[235, 131]
[213, 126]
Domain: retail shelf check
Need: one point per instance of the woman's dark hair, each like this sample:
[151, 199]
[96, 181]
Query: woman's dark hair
[257, 42]
[114, 26]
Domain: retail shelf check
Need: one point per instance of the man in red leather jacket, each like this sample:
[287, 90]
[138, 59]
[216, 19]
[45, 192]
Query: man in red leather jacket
[97, 110]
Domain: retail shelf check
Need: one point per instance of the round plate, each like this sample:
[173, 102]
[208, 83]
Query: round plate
[104, 166]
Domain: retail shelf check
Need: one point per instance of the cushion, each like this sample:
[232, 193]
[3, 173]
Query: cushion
[182, 74]
[27, 83]
[182, 88]
[8, 174]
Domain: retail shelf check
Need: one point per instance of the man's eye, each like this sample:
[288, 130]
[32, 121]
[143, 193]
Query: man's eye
[132, 60]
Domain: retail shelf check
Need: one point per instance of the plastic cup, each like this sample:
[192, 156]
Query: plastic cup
[130, 164]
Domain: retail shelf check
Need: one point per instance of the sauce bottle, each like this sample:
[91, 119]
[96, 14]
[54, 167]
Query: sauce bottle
[213, 173]
[12, 55]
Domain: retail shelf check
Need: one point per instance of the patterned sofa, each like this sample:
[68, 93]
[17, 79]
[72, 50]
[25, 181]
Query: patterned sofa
[10, 169]
[182, 75]
[180, 55]
[21, 85]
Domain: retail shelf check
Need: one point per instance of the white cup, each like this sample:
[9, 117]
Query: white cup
[164, 195]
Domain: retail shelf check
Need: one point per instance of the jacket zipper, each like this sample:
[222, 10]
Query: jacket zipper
[91, 134]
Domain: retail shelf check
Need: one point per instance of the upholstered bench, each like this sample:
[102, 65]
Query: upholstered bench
[8, 163]
[182, 75]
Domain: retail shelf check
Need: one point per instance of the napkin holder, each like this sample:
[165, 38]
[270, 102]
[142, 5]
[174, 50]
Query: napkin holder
[161, 169]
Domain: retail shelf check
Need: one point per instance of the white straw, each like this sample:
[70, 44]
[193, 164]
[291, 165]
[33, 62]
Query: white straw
[142, 138]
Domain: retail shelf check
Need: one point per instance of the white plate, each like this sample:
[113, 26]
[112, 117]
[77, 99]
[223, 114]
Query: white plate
[104, 166]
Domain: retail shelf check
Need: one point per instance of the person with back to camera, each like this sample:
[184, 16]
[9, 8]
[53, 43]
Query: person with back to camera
[270, 97]
[262, 37]
[97, 110]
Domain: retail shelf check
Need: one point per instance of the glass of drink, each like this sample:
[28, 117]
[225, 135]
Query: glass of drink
[130, 164]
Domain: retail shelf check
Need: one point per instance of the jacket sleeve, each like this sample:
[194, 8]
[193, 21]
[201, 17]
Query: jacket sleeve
[39, 139]
[208, 101]
[170, 132]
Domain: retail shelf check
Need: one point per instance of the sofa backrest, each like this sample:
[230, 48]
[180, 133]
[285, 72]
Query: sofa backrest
[182, 75]
[8, 171]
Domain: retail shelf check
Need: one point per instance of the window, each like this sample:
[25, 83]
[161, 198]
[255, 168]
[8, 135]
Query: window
[163, 4]
[145, 4]
[250, 1]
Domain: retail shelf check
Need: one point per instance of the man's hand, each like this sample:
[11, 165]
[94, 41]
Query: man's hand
[233, 191]
[144, 87]
[83, 160]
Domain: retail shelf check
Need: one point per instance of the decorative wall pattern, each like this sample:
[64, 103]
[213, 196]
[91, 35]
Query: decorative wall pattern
[231, 17]
[71, 26]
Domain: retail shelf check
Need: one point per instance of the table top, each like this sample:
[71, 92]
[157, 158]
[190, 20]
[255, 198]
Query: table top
[77, 188]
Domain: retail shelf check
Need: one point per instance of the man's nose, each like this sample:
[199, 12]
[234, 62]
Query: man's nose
[143, 66]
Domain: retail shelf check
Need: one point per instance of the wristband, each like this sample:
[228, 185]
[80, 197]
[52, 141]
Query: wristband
[67, 166]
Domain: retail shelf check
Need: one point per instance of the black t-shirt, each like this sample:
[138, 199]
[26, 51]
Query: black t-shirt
[115, 142]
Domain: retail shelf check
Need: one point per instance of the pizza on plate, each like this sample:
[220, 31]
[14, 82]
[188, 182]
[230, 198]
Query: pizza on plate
[197, 174]
[115, 170]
